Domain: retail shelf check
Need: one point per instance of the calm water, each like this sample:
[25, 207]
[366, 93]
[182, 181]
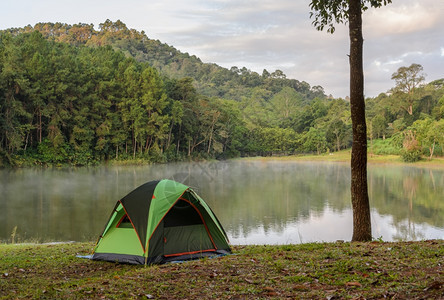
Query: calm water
[257, 202]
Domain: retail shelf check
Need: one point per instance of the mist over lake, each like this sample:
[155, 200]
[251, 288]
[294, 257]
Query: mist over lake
[272, 202]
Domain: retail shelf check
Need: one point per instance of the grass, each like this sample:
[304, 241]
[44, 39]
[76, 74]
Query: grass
[377, 270]
[344, 156]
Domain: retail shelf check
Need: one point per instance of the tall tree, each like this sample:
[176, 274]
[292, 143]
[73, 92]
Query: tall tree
[286, 102]
[407, 80]
[327, 13]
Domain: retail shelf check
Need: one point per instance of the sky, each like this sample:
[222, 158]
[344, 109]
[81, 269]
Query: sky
[266, 34]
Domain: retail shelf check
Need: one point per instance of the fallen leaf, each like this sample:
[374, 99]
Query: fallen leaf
[300, 288]
[268, 289]
[353, 284]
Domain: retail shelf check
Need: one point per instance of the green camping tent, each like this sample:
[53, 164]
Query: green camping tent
[161, 221]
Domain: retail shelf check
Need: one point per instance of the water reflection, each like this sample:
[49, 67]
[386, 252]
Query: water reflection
[257, 202]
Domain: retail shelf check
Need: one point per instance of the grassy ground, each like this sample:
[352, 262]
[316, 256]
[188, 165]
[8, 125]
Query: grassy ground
[377, 270]
[344, 156]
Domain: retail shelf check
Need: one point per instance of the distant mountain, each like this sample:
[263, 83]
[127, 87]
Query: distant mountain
[209, 78]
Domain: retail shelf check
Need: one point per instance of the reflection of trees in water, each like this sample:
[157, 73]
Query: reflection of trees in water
[74, 203]
[406, 230]
[251, 195]
[270, 195]
[57, 204]
[21, 213]
[411, 195]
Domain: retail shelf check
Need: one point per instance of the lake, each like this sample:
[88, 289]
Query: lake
[273, 202]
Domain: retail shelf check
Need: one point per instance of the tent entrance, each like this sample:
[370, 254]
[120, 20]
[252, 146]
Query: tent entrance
[185, 231]
[124, 222]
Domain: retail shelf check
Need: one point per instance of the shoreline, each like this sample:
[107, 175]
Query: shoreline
[344, 156]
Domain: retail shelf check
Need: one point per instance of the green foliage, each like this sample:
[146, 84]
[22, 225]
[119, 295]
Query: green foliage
[50, 153]
[412, 150]
[328, 12]
[70, 94]
[274, 140]
[410, 156]
[211, 79]
[388, 146]
[315, 141]
[407, 80]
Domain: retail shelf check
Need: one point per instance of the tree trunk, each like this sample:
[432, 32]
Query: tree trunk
[432, 149]
[338, 142]
[148, 144]
[359, 190]
[189, 147]
[178, 139]
[210, 138]
[40, 126]
[26, 140]
[169, 136]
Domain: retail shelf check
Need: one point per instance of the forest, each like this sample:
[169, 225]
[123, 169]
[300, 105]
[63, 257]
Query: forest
[74, 95]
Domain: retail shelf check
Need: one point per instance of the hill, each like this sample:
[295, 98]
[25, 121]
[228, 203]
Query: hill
[210, 79]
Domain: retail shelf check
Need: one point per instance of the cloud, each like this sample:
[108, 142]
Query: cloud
[404, 18]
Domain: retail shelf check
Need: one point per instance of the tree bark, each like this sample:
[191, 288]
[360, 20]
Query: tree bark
[359, 188]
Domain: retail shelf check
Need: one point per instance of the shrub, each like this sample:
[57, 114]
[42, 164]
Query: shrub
[412, 150]
[385, 147]
[411, 155]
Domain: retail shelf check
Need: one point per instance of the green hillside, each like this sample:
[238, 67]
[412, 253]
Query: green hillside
[210, 79]
[71, 94]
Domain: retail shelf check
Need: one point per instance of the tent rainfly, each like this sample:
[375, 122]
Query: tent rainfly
[158, 222]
